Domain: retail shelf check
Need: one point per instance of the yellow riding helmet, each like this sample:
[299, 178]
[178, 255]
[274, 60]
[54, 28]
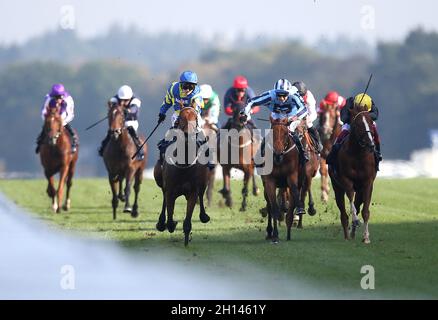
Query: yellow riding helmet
[364, 100]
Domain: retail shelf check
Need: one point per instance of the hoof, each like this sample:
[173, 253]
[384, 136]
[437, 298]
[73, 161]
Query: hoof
[366, 241]
[204, 218]
[58, 210]
[127, 210]
[161, 226]
[355, 224]
[171, 226]
[275, 241]
[268, 237]
[312, 211]
[229, 203]
[299, 226]
[256, 191]
[263, 212]
[242, 209]
[134, 214]
[121, 197]
[301, 211]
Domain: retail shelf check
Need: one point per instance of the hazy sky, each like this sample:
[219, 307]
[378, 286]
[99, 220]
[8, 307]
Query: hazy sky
[309, 19]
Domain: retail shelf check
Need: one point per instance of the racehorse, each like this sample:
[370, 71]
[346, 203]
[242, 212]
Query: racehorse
[56, 156]
[176, 179]
[284, 174]
[329, 128]
[117, 158]
[210, 130]
[245, 147]
[355, 171]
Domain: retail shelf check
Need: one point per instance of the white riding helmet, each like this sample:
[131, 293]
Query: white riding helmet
[125, 92]
[283, 86]
[206, 91]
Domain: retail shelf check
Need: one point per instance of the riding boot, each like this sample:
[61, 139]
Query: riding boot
[262, 153]
[304, 157]
[39, 141]
[104, 143]
[333, 154]
[73, 137]
[138, 144]
[377, 155]
[162, 146]
[316, 138]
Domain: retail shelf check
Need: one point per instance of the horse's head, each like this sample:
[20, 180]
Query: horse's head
[188, 120]
[53, 124]
[239, 118]
[116, 120]
[328, 120]
[361, 127]
[281, 140]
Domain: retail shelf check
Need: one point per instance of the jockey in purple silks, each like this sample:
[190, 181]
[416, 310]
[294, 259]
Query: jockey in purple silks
[58, 95]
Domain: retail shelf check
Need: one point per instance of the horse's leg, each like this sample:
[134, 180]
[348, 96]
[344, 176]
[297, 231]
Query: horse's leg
[71, 172]
[203, 216]
[294, 198]
[210, 186]
[268, 210]
[355, 209]
[137, 182]
[246, 177]
[312, 210]
[60, 193]
[170, 204]
[129, 176]
[121, 195]
[187, 226]
[51, 191]
[367, 193]
[255, 188]
[340, 202]
[273, 209]
[355, 219]
[226, 191]
[161, 224]
[324, 180]
[115, 201]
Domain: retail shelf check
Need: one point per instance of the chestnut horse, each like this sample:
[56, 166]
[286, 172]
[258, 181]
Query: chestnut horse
[56, 156]
[329, 128]
[356, 171]
[117, 158]
[245, 147]
[284, 174]
[176, 179]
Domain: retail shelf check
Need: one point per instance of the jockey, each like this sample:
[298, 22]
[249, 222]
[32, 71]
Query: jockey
[185, 93]
[238, 93]
[131, 107]
[310, 103]
[212, 106]
[332, 98]
[284, 101]
[59, 95]
[364, 100]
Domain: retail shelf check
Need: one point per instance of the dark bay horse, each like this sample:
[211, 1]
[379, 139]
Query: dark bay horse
[284, 174]
[329, 128]
[117, 158]
[188, 179]
[245, 146]
[356, 171]
[56, 156]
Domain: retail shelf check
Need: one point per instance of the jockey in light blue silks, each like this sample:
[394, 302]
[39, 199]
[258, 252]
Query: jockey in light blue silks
[58, 95]
[284, 101]
[131, 106]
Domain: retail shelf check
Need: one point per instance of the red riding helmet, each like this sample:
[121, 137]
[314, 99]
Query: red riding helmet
[240, 82]
[332, 97]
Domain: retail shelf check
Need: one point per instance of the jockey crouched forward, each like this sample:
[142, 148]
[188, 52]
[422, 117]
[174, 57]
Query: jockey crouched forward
[285, 102]
[131, 108]
[366, 101]
[181, 94]
[58, 95]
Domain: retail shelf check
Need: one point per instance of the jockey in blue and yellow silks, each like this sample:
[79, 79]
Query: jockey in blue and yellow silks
[185, 93]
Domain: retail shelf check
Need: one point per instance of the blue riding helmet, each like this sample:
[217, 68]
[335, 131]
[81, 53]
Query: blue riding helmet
[189, 76]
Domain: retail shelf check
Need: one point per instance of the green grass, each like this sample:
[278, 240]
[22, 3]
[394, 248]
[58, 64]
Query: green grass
[403, 228]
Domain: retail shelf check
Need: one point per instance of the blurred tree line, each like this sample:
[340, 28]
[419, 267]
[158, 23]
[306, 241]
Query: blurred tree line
[404, 87]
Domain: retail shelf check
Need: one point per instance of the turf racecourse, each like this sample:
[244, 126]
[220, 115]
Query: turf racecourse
[403, 233]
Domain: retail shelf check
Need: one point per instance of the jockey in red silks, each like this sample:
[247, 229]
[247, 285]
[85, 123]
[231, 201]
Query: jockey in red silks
[58, 95]
[332, 99]
[238, 93]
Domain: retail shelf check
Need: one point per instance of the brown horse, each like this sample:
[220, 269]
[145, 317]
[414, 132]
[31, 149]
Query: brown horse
[117, 158]
[240, 142]
[56, 156]
[356, 171]
[329, 128]
[284, 174]
[176, 179]
[309, 172]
